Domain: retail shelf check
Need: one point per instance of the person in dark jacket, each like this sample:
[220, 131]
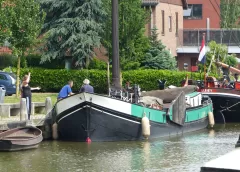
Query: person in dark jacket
[86, 87]
[26, 93]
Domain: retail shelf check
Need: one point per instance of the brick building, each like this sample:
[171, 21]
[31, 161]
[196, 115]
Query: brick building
[167, 17]
[203, 16]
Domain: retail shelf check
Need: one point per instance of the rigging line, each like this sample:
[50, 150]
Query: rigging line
[175, 24]
[215, 8]
[217, 3]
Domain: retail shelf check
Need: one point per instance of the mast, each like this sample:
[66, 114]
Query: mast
[115, 46]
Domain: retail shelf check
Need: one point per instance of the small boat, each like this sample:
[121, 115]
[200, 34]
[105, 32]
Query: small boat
[20, 139]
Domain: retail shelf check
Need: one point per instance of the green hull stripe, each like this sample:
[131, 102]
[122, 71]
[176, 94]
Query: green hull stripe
[159, 116]
[155, 115]
[197, 114]
[193, 94]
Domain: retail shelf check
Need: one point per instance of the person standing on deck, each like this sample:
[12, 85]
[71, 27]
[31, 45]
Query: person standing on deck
[86, 87]
[66, 91]
[26, 93]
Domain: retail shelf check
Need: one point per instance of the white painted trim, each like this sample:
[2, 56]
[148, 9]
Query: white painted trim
[224, 94]
[104, 101]
[99, 111]
[117, 116]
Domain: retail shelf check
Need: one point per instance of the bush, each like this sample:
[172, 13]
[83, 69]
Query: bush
[97, 64]
[54, 80]
[147, 79]
[7, 60]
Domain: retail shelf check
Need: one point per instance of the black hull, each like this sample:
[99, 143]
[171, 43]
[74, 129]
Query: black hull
[226, 108]
[100, 125]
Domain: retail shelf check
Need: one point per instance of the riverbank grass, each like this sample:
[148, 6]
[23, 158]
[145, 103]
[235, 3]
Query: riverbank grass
[36, 97]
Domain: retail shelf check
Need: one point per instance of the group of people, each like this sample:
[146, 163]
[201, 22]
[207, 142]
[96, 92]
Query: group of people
[65, 91]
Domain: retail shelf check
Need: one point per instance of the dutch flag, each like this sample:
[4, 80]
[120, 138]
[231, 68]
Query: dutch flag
[202, 54]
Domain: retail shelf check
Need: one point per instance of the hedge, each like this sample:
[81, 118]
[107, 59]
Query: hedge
[7, 60]
[53, 80]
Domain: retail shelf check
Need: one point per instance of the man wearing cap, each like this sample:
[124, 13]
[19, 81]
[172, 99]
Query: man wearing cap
[86, 87]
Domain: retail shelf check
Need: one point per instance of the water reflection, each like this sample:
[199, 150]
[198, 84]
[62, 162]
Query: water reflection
[185, 153]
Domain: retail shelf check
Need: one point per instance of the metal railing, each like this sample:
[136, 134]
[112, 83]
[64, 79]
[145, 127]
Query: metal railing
[229, 37]
[149, 2]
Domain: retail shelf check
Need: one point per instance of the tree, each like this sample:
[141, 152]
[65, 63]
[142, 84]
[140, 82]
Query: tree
[231, 60]
[133, 44]
[157, 56]
[4, 21]
[24, 22]
[218, 52]
[73, 29]
[230, 13]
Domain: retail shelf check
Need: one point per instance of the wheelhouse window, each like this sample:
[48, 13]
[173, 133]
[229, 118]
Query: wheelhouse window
[193, 12]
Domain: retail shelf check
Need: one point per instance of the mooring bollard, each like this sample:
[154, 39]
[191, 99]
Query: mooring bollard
[23, 109]
[48, 105]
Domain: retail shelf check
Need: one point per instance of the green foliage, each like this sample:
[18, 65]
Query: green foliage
[24, 23]
[33, 60]
[217, 52]
[231, 60]
[23, 62]
[97, 64]
[129, 65]
[7, 60]
[54, 80]
[230, 12]
[157, 56]
[133, 44]
[5, 32]
[23, 19]
[73, 29]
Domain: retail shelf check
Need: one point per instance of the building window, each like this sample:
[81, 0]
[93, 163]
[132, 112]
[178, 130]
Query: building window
[193, 12]
[163, 27]
[176, 23]
[170, 23]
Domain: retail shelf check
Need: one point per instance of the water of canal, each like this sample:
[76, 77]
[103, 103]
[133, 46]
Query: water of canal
[184, 153]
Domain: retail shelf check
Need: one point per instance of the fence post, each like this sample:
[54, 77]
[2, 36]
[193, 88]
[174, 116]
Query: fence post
[48, 105]
[23, 110]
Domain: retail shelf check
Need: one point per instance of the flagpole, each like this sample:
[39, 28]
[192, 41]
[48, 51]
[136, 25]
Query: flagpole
[205, 83]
